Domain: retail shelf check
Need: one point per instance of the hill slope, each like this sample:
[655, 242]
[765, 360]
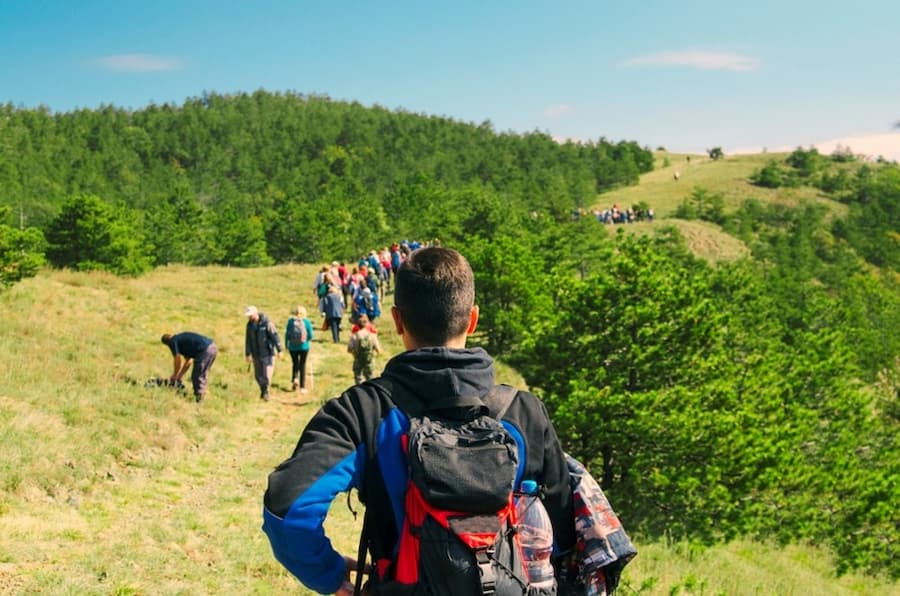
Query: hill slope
[109, 487]
[728, 176]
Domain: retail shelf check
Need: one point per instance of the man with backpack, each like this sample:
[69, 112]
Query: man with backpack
[436, 451]
[261, 345]
[366, 304]
[363, 345]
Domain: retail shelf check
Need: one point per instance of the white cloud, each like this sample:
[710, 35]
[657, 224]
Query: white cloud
[886, 145]
[563, 139]
[139, 63]
[557, 110]
[700, 60]
[870, 146]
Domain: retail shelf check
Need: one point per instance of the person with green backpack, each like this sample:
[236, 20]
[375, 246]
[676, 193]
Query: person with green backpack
[364, 346]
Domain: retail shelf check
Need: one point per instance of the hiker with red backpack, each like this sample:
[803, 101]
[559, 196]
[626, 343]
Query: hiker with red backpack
[438, 453]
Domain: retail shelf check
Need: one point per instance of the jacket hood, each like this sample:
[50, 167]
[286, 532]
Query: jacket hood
[431, 374]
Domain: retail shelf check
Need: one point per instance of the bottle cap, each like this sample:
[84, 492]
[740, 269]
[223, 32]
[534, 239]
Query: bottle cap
[529, 487]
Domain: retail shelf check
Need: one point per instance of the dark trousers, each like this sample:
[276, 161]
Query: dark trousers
[335, 324]
[263, 369]
[200, 370]
[298, 370]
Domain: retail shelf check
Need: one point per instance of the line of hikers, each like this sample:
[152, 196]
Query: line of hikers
[614, 215]
[360, 288]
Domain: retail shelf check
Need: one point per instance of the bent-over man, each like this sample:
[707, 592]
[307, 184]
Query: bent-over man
[192, 348]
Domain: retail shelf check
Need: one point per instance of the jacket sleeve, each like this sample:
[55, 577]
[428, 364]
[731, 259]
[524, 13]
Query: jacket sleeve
[328, 460]
[247, 351]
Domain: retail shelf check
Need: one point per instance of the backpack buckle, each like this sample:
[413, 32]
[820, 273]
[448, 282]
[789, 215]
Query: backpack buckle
[486, 570]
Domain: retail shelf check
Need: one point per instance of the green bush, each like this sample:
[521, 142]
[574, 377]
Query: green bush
[21, 253]
[90, 234]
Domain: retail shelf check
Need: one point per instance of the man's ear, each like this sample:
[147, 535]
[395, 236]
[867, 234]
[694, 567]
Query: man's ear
[473, 320]
[398, 322]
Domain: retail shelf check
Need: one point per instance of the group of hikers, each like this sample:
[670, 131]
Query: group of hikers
[443, 458]
[361, 289]
[262, 345]
[617, 215]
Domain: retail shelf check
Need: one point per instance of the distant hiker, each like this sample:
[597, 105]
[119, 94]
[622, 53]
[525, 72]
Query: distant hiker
[297, 335]
[355, 283]
[373, 262]
[344, 281]
[385, 257]
[326, 282]
[317, 284]
[396, 260]
[364, 346]
[332, 308]
[191, 348]
[335, 272]
[363, 323]
[373, 282]
[354, 441]
[261, 345]
[367, 304]
[677, 176]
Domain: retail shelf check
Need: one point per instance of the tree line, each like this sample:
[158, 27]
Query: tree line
[254, 179]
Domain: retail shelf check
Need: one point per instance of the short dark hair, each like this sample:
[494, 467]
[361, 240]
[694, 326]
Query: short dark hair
[166, 339]
[435, 292]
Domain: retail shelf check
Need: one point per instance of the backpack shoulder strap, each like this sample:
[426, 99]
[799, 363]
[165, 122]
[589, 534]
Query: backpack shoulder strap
[499, 399]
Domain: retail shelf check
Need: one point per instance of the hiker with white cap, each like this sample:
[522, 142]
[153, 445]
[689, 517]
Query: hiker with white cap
[261, 344]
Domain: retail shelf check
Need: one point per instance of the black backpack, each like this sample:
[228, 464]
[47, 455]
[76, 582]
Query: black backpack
[458, 535]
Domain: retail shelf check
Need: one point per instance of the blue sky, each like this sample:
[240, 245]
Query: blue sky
[684, 74]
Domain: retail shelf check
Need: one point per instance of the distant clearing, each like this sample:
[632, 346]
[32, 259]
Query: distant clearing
[729, 176]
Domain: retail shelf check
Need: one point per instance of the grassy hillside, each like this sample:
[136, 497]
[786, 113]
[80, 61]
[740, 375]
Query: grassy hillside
[728, 176]
[705, 239]
[107, 487]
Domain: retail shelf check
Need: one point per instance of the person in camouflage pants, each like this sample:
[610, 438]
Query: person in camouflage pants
[363, 345]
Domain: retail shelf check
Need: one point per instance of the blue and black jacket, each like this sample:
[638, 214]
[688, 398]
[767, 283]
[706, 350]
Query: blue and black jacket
[353, 441]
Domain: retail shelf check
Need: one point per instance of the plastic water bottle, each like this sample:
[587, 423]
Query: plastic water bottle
[535, 536]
